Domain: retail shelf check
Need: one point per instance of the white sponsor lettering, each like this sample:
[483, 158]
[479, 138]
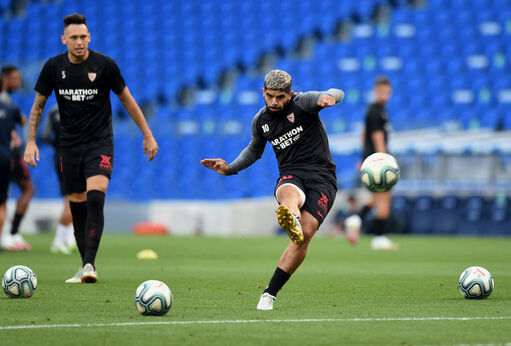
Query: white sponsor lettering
[78, 94]
[288, 138]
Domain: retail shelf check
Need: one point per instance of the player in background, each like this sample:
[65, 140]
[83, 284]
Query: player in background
[82, 80]
[307, 185]
[9, 116]
[64, 241]
[375, 139]
[13, 241]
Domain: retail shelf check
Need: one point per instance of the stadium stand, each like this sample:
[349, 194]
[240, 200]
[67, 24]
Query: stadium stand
[449, 64]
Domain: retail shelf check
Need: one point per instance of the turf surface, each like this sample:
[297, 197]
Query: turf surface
[370, 297]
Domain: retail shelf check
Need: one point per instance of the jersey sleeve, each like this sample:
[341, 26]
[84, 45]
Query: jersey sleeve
[44, 85]
[116, 82]
[308, 101]
[252, 152]
[373, 121]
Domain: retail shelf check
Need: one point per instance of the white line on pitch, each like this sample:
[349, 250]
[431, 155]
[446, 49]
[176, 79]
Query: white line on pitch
[123, 324]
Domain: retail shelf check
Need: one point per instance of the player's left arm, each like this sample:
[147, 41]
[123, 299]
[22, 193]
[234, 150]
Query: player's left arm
[314, 101]
[150, 145]
[330, 97]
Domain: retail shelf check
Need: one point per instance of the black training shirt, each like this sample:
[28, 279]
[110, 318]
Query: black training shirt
[296, 134]
[83, 96]
[376, 120]
[9, 116]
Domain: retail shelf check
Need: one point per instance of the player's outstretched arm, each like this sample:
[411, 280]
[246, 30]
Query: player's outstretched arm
[149, 144]
[330, 98]
[36, 113]
[218, 165]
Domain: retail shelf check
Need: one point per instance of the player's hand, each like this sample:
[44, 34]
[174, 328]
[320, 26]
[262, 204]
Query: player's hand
[218, 165]
[150, 148]
[30, 151]
[326, 101]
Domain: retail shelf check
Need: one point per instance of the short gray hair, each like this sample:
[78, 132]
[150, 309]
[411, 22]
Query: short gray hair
[278, 80]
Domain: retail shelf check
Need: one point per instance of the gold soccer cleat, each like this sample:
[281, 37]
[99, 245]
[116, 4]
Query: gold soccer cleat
[290, 223]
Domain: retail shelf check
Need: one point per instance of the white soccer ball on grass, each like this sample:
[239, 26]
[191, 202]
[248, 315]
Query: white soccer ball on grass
[19, 282]
[153, 297]
[476, 283]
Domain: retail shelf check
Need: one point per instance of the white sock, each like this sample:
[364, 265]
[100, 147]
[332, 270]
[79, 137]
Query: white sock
[70, 235]
[60, 236]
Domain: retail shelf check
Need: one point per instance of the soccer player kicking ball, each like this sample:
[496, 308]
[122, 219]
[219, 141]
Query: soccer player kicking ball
[307, 185]
[82, 80]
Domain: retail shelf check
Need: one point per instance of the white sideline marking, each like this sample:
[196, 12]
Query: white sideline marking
[124, 324]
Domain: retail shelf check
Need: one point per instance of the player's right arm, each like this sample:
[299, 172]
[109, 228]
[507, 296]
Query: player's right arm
[33, 125]
[247, 157]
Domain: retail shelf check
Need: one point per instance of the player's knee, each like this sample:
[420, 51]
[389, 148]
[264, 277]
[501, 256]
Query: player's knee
[289, 195]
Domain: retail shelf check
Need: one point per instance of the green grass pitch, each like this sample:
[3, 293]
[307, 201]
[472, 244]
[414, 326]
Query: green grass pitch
[349, 294]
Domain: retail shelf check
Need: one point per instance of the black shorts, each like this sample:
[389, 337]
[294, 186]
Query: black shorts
[319, 193]
[78, 164]
[19, 168]
[5, 173]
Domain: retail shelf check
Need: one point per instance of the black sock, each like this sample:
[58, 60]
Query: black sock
[79, 213]
[379, 226]
[363, 212]
[16, 223]
[94, 225]
[278, 280]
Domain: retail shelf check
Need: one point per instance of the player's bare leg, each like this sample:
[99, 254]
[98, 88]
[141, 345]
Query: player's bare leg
[17, 243]
[382, 202]
[294, 254]
[290, 260]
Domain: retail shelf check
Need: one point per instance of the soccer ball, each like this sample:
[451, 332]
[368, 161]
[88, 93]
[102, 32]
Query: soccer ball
[19, 282]
[379, 172]
[476, 283]
[153, 297]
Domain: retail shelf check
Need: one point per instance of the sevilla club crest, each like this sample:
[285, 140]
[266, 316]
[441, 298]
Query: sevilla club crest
[291, 117]
[92, 76]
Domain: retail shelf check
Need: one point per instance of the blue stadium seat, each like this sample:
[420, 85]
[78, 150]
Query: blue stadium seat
[448, 215]
[473, 216]
[402, 210]
[423, 215]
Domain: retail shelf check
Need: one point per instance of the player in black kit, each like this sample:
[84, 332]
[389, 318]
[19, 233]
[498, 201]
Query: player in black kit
[375, 137]
[307, 184]
[9, 116]
[20, 175]
[82, 80]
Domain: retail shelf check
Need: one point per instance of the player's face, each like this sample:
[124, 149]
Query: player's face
[12, 81]
[276, 99]
[382, 93]
[77, 37]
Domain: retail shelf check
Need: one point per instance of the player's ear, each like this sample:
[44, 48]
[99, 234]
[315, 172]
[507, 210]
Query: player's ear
[63, 39]
[88, 37]
[291, 93]
[262, 89]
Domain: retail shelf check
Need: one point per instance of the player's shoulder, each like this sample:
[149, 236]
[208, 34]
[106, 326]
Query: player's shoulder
[100, 57]
[374, 109]
[57, 60]
[263, 112]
